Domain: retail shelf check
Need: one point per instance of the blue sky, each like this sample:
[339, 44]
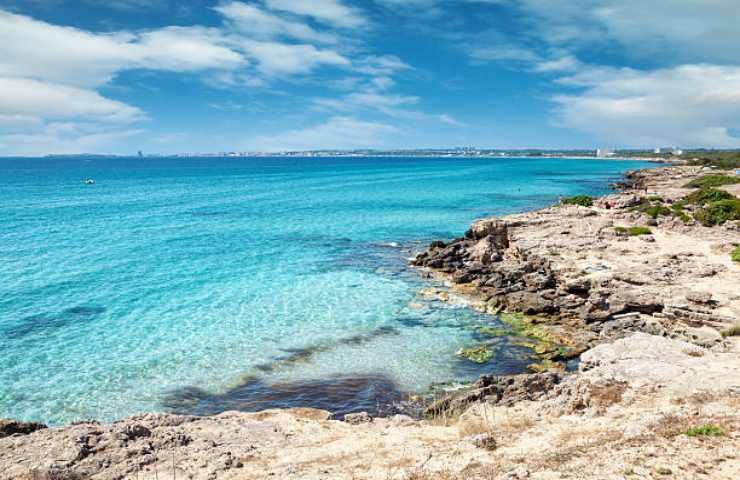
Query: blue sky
[201, 76]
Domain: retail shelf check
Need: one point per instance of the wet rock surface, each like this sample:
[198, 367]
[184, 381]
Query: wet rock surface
[14, 427]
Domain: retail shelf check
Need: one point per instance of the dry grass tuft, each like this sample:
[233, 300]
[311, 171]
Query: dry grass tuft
[603, 396]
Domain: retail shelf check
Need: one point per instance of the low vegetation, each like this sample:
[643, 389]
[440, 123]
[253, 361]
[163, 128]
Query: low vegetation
[708, 430]
[712, 181]
[654, 207]
[582, 200]
[717, 213]
[735, 254]
[707, 195]
[678, 211]
[733, 331]
[633, 231]
[726, 160]
[479, 354]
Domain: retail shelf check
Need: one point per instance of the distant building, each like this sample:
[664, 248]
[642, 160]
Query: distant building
[668, 151]
[604, 153]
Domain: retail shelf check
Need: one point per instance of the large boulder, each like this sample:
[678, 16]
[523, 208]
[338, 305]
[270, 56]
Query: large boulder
[496, 228]
[530, 303]
[485, 251]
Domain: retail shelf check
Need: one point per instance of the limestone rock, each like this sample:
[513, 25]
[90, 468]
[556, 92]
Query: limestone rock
[699, 297]
[358, 418]
[496, 228]
[703, 336]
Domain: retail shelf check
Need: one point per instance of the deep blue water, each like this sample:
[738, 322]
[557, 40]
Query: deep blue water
[205, 284]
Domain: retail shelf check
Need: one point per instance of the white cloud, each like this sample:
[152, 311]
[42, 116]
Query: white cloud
[503, 52]
[336, 133]
[44, 100]
[50, 73]
[393, 105]
[34, 49]
[383, 65]
[689, 105]
[445, 118]
[566, 63]
[678, 31]
[379, 101]
[281, 58]
[257, 23]
[333, 12]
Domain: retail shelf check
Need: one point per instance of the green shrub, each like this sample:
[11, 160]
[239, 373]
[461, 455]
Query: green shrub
[707, 195]
[720, 159]
[735, 254]
[582, 200]
[712, 181]
[633, 231]
[655, 211]
[653, 207]
[708, 430]
[678, 211]
[717, 213]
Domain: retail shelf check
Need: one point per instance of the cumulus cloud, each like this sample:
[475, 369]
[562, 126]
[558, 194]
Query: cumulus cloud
[50, 72]
[333, 12]
[34, 49]
[393, 105]
[690, 105]
[280, 58]
[263, 25]
[682, 31]
[44, 100]
[337, 133]
[684, 93]
[383, 65]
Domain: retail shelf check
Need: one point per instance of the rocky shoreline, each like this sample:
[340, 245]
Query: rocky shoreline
[580, 278]
[630, 283]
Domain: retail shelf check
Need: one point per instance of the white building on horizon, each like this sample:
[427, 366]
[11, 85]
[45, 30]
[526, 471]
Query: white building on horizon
[668, 150]
[604, 152]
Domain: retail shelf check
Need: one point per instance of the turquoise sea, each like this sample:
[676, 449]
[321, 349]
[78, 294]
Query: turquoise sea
[207, 284]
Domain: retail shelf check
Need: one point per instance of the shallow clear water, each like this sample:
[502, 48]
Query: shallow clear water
[200, 285]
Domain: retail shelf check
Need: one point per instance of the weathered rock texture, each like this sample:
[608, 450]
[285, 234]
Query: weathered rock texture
[628, 409]
[568, 266]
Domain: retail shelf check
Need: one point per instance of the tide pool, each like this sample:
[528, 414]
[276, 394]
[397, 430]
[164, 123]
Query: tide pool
[205, 284]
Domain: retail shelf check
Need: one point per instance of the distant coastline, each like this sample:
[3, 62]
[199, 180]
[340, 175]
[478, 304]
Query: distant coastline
[486, 154]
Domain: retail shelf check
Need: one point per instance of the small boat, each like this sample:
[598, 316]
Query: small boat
[89, 181]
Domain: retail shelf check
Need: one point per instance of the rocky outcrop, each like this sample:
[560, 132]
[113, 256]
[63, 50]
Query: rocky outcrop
[15, 427]
[504, 390]
[568, 265]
